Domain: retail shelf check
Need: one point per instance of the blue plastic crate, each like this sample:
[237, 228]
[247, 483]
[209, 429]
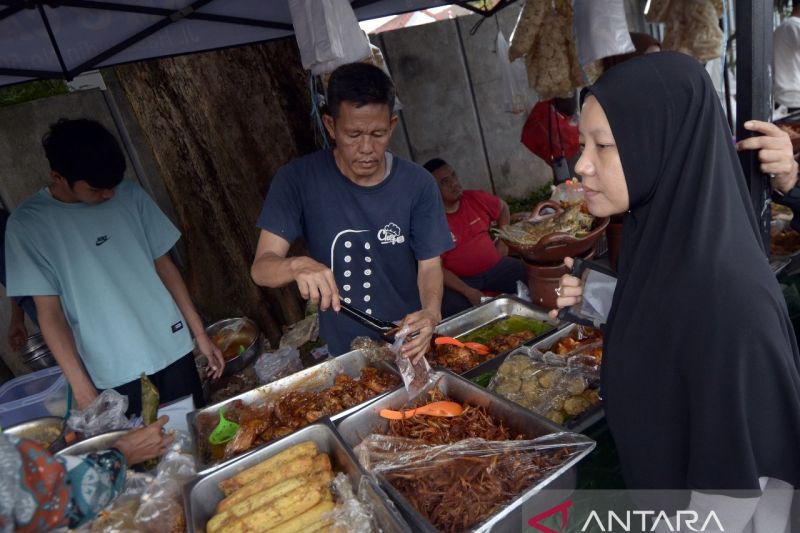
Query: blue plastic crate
[34, 395]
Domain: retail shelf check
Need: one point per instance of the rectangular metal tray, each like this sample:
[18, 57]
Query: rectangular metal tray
[491, 311]
[314, 378]
[202, 495]
[586, 419]
[358, 426]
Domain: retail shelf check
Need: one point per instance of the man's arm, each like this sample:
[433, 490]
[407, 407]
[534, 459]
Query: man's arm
[17, 332]
[454, 283]
[503, 220]
[430, 284]
[271, 268]
[58, 336]
[173, 281]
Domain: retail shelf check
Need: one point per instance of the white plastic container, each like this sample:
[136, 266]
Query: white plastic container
[34, 395]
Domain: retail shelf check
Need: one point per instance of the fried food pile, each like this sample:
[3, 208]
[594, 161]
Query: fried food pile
[583, 340]
[458, 492]
[459, 359]
[259, 424]
[784, 242]
[287, 493]
[572, 221]
[458, 471]
[556, 392]
[505, 343]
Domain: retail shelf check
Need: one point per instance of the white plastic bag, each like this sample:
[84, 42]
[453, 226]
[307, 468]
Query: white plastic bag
[271, 366]
[517, 97]
[105, 413]
[601, 29]
[328, 34]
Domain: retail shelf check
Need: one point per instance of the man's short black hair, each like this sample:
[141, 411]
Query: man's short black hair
[360, 84]
[434, 164]
[82, 149]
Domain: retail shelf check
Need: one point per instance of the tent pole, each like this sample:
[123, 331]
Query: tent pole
[754, 95]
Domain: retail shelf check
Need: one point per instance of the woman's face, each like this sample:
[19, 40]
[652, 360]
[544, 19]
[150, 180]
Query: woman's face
[599, 164]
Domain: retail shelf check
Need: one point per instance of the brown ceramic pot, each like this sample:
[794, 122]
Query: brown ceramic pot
[543, 280]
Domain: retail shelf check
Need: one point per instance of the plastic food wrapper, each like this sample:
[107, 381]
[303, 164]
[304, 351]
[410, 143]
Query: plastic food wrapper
[376, 351]
[602, 29]
[350, 514]
[271, 366]
[417, 377]
[570, 192]
[105, 413]
[548, 384]
[599, 285]
[517, 97]
[446, 482]
[301, 332]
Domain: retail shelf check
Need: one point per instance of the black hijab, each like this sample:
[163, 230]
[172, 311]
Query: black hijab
[700, 376]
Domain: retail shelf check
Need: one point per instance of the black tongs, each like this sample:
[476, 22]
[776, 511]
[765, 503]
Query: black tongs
[384, 328]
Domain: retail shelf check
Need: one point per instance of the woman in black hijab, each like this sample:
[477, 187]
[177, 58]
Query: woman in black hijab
[701, 375]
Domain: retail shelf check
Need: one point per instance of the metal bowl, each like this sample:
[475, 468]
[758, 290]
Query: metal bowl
[32, 343]
[35, 354]
[225, 335]
[47, 431]
[98, 443]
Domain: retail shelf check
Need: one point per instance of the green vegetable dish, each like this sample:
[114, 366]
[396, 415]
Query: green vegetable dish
[507, 326]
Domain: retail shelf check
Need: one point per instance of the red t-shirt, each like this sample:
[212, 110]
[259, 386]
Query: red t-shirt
[475, 252]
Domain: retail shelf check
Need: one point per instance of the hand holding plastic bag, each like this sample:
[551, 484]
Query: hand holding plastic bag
[417, 377]
[105, 413]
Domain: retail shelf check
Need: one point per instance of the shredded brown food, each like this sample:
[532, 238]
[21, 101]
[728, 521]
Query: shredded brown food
[259, 424]
[460, 359]
[460, 492]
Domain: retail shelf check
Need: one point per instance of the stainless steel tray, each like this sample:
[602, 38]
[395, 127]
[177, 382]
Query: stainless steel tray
[100, 442]
[31, 427]
[358, 426]
[315, 378]
[202, 495]
[580, 423]
[491, 311]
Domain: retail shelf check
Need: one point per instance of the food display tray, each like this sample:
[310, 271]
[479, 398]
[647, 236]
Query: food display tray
[202, 495]
[315, 378]
[489, 312]
[580, 423]
[356, 427]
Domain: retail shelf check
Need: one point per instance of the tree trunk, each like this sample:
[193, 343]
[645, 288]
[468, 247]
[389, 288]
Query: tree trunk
[220, 125]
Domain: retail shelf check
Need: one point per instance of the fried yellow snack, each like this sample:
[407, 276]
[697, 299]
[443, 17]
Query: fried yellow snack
[307, 521]
[273, 464]
[277, 512]
[318, 472]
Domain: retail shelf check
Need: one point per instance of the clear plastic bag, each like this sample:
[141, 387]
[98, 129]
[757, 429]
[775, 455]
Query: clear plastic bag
[350, 514]
[460, 485]
[328, 34]
[548, 384]
[417, 377]
[301, 332]
[570, 192]
[105, 413]
[283, 362]
[517, 97]
[602, 29]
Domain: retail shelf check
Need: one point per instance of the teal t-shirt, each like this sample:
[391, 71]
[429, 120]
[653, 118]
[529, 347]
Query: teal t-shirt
[99, 260]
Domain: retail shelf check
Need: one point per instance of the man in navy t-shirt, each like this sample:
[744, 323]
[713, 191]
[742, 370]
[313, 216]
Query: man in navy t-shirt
[374, 223]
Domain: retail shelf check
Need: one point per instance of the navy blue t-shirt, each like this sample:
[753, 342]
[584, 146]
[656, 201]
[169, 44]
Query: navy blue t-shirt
[370, 237]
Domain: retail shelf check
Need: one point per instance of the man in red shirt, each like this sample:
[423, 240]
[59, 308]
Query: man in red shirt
[477, 263]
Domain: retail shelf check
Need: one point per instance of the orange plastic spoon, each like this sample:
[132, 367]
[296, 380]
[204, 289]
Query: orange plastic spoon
[478, 348]
[431, 409]
[448, 340]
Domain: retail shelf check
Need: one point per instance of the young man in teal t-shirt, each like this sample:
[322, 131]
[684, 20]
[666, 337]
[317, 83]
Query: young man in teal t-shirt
[92, 250]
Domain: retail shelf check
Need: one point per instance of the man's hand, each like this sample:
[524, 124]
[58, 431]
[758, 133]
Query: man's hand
[316, 283]
[141, 444]
[422, 321]
[474, 296]
[216, 362]
[17, 334]
[774, 151]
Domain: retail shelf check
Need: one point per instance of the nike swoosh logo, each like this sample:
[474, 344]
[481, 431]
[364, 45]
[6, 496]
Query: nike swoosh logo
[101, 240]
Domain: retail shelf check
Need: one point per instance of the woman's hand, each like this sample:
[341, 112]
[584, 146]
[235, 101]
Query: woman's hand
[141, 444]
[774, 152]
[570, 290]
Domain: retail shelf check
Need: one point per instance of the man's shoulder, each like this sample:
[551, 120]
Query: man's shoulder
[30, 209]
[412, 171]
[300, 166]
[790, 26]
